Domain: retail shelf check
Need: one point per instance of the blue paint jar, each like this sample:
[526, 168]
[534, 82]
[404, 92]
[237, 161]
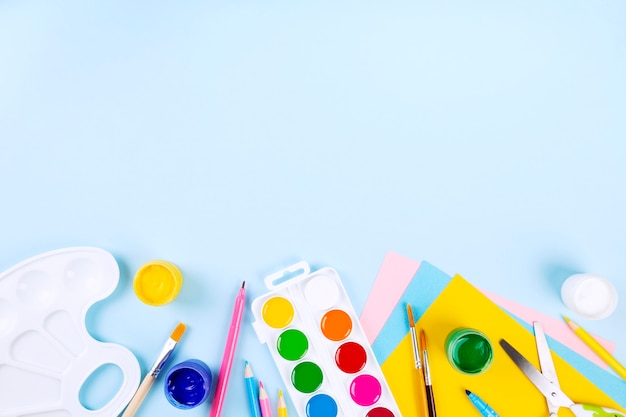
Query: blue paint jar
[187, 384]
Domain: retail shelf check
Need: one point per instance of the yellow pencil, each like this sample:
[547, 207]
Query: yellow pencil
[282, 407]
[604, 354]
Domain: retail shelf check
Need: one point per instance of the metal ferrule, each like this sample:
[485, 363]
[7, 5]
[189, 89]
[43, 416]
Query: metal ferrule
[165, 353]
[426, 368]
[416, 349]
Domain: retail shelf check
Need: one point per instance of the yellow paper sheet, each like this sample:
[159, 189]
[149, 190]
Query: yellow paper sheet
[503, 385]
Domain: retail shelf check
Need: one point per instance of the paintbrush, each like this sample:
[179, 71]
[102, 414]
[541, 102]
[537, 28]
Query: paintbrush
[429, 385]
[153, 373]
[421, 384]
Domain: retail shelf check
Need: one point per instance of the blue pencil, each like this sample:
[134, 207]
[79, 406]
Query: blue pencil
[251, 389]
[480, 405]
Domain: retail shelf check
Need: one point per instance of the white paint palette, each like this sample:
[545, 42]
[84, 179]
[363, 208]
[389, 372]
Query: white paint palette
[317, 342]
[46, 353]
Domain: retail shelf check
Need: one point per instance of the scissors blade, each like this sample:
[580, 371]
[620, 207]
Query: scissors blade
[546, 387]
[546, 363]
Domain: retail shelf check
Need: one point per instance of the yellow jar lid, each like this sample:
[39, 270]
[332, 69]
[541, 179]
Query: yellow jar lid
[158, 282]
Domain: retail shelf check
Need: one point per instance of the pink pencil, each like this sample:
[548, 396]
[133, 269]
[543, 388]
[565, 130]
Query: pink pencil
[264, 402]
[229, 353]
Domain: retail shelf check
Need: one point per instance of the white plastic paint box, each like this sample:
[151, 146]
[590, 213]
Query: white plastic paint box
[319, 347]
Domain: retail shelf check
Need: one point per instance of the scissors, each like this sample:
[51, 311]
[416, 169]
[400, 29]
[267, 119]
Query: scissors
[547, 382]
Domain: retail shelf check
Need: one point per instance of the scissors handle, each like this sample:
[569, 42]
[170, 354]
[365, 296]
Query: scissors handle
[586, 410]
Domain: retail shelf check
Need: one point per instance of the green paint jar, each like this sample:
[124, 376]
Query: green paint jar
[469, 351]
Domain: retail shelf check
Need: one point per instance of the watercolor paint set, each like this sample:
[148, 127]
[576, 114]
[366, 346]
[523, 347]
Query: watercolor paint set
[319, 347]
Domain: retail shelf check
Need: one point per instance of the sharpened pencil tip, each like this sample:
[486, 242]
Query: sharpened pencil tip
[468, 392]
[247, 371]
[262, 392]
[243, 284]
[572, 325]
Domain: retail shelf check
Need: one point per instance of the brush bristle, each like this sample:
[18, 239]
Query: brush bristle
[178, 332]
[409, 311]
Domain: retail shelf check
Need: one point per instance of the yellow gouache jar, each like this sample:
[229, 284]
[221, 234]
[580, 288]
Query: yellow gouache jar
[158, 282]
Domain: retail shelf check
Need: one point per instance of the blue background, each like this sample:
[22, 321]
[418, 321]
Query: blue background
[236, 139]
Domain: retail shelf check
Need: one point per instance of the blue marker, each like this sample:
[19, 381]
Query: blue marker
[480, 405]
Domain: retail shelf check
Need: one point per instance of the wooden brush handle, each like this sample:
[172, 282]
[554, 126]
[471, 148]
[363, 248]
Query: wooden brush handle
[137, 399]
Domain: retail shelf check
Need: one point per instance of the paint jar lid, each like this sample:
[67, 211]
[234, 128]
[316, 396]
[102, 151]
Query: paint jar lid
[158, 282]
[187, 384]
[589, 296]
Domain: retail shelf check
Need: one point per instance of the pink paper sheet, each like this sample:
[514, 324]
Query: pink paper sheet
[556, 328]
[395, 274]
[397, 271]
